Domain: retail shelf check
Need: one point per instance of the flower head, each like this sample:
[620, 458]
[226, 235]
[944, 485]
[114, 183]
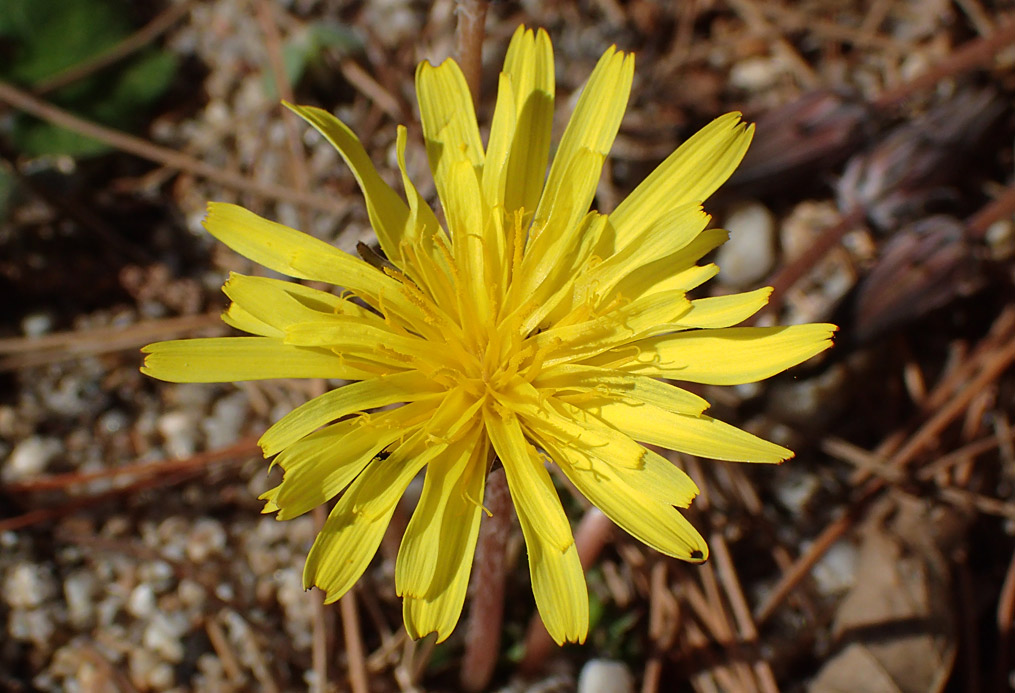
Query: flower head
[530, 329]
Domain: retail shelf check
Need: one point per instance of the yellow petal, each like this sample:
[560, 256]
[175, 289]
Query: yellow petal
[321, 465]
[723, 311]
[292, 252]
[229, 359]
[449, 128]
[690, 174]
[558, 237]
[696, 435]
[675, 272]
[544, 286]
[531, 489]
[515, 165]
[421, 257]
[241, 319]
[368, 339]
[387, 211]
[558, 420]
[280, 303]
[558, 582]
[345, 400]
[356, 525]
[653, 522]
[592, 127]
[475, 250]
[435, 558]
[731, 355]
[617, 327]
[662, 239]
[573, 378]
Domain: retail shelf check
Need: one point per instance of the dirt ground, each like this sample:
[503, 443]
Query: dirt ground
[878, 195]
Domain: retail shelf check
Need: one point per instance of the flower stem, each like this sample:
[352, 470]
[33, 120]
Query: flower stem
[470, 31]
[486, 608]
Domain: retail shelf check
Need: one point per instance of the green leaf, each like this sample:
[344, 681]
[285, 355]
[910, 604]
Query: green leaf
[52, 35]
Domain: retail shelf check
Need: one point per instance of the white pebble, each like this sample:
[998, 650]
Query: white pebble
[749, 255]
[192, 594]
[796, 490]
[31, 625]
[79, 590]
[30, 457]
[756, 73]
[163, 634]
[141, 602]
[605, 676]
[297, 605]
[36, 324]
[159, 574]
[835, 573]
[206, 539]
[228, 416]
[28, 585]
[147, 672]
[180, 433]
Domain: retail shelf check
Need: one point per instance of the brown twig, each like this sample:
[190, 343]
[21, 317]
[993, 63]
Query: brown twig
[1005, 620]
[245, 446]
[824, 541]
[22, 352]
[662, 625]
[486, 608]
[161, 155]
[741, 612]
[1003, 206]
[973, 54]
[273, 45]
[371, 88]
[358, 680]
[950, 397]
[319, 644]
[227, 656]
[784, 280]
[470, 32]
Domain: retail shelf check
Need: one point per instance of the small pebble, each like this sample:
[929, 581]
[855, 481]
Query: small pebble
[835, 573]
[163, 633]
[28, 585]
[605, 676]
[206, 539]
[141, 602]
[31, 625]
[795, 490]
[228, 415]
[147, 672]
[79, 590]
[756, 73]
[37, 324]
[749, 255]
[812, 401]
[30, 457]
[299, 610]
[180, 433]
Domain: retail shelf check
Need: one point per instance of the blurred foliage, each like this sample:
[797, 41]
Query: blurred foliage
[6, 191]
[306, 51]
[40, 39]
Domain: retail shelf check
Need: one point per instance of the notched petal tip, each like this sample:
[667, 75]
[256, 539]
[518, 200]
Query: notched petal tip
[698, 555]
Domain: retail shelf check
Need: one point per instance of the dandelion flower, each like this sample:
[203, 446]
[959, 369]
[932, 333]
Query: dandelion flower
[528, 330]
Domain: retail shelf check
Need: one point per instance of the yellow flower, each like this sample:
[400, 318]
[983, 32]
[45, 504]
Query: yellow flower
[532, 329]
